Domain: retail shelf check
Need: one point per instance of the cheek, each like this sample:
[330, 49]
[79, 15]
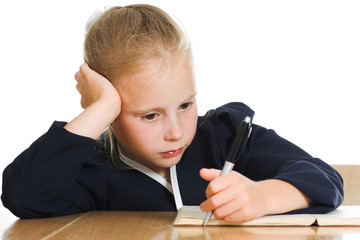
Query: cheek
[146, 141]
[125, 131]
[147, 135]
[190, 123]
[136, 135]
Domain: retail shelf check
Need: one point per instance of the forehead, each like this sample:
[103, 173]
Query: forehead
[161, 82]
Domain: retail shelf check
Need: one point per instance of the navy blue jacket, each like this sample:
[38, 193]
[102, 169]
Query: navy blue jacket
[63, 173]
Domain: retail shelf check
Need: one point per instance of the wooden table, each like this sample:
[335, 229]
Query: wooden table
[158, 225]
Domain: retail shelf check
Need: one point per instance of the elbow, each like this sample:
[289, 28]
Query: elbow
[339, 193]
[23, 207]
[16, 206]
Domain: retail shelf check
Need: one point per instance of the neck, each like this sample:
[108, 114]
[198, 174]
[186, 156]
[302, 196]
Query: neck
[164, 172]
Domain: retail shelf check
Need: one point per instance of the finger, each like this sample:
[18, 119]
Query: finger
[207, 205]
[79, 77]
[217, 200]
[221, 183]
[209, 173]
[78, 87]
[242, 215]
[226, 209]
[87, 72]
[84, 68]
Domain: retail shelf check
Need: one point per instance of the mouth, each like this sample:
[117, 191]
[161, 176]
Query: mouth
[173, 153]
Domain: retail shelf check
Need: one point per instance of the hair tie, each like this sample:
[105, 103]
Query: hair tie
[94, 16]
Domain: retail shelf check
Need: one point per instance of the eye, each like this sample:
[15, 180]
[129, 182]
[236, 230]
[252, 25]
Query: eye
[185, 106]
[150, 116]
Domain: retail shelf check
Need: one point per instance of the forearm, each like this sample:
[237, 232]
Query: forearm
[94, 119]
[59, 156]
[282, 197]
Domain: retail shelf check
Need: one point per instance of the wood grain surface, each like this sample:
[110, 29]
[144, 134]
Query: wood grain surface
[159, 226]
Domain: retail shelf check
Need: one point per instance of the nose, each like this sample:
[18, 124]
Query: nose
[174, 130]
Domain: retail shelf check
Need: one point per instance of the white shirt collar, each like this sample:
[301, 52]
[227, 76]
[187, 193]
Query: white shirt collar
[173, 187]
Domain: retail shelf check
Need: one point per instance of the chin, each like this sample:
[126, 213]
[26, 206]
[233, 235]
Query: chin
[169, 162]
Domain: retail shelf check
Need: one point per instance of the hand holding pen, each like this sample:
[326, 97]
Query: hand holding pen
[235, 152]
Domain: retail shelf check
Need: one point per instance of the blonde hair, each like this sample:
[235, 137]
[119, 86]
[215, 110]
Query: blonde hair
[123, 40]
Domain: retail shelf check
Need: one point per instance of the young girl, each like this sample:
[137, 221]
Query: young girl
[140, 146]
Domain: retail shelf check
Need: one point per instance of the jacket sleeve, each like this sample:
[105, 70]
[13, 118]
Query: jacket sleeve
[269, 156]
[45, 181]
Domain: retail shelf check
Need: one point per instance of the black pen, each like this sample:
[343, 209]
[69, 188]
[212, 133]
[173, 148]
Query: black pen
[237, 147]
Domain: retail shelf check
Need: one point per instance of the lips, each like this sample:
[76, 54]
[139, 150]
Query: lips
[172, 153]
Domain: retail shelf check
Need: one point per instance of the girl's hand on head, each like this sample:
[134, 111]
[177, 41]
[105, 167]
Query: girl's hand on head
[93, 87]
[233, 197]
[100, 100]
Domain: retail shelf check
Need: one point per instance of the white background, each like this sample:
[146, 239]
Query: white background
[296, 63]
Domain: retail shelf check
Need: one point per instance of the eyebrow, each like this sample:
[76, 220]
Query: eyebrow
[191, 97]
[152, 109]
